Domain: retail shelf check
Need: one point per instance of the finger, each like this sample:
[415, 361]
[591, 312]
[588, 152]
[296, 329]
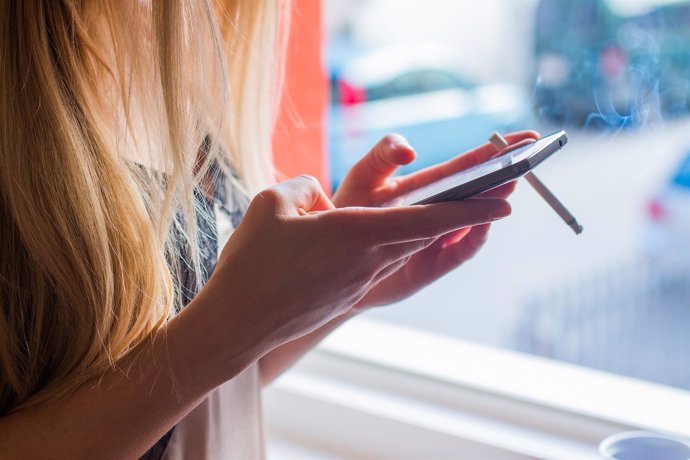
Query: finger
[393, 253]
[411, 223]
[445, 255]
[473, 157]
[456, 236]
[454, 255]
[300, 194]
[389, 270]
[381, 162]
[440, 258]
[398, 255]
[503, 191]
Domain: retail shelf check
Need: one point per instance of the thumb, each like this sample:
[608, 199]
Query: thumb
[381, 162]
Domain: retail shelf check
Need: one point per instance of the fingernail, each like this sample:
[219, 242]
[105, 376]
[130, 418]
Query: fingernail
[501, 211]
[402, 141]
[406, 144]
[398, 140]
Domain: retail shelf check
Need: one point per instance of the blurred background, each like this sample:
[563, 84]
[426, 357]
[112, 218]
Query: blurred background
[616, 76]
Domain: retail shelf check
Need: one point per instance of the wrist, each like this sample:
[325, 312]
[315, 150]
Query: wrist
[211, 343]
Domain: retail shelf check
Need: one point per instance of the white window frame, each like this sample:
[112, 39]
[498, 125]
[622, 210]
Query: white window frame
[378, 390]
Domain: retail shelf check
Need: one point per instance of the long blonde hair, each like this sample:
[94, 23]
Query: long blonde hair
[89, 92]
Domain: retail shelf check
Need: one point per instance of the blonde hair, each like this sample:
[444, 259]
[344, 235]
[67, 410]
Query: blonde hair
[88, 90]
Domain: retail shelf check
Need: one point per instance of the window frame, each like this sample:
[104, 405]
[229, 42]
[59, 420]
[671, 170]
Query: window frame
[359, 394]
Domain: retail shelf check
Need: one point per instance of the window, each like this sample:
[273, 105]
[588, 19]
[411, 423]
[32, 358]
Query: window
[615, 298]
[414, 82]
[608, 310]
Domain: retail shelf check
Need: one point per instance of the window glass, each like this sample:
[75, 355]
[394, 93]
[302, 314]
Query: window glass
[414, 82]
[616, 76]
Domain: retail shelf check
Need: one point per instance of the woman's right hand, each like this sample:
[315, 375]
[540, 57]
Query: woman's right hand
[295, 262]
[283, 273]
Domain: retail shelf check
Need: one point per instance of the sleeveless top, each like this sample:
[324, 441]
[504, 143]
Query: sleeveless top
[228, 423]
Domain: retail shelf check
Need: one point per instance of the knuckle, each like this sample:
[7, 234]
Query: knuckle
[266, 199]
[307, 181]
[270, 195]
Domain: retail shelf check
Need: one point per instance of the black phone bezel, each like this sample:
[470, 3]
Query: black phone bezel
[502, 176]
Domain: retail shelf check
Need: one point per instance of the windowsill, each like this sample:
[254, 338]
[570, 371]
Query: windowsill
[515, 375]
[444, 394]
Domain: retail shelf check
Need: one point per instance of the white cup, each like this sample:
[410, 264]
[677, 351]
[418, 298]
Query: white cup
[644, 445]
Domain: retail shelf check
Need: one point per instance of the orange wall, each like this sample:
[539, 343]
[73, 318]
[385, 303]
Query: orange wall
[299, 140]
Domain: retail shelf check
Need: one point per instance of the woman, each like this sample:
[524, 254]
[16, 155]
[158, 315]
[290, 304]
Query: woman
[131, 132]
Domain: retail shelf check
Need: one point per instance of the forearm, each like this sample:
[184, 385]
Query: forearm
[126, 411]
[280, 359]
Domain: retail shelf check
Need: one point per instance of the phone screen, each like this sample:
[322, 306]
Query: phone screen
[469, 175]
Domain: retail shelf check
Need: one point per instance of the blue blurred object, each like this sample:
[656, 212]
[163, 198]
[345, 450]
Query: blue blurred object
[597, 67]
[668, 233]
[417, 91]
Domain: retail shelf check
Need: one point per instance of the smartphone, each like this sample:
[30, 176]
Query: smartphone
[501, 169]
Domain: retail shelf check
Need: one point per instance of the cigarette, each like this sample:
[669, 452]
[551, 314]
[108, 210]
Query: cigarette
[500, 143]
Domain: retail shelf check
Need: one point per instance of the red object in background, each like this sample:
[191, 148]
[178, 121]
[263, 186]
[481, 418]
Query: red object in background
[613, 62]
[350, 95]
[299, 140]
[656, 211]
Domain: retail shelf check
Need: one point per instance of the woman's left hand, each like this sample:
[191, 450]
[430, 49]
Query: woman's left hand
[370, 183]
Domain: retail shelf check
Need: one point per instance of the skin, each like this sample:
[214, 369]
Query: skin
[371, 183]
[325, 260]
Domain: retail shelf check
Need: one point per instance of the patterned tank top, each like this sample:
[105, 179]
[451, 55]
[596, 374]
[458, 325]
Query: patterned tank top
[228, 203]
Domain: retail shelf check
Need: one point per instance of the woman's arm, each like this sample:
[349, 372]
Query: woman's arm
[282, 358]
[285, 272]
[124, 413]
